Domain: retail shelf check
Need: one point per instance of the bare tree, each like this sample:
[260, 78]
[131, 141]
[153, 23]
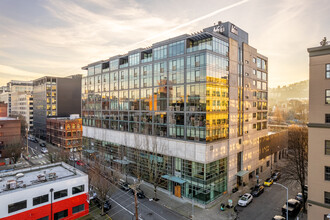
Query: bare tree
[295, 169]
[103, 181]
[156, 163]
[278, 115]
[13, 150]
[58, 155]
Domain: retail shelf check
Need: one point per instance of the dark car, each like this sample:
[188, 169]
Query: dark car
[107, 206]
[42, 145]
[98, 203]
[294, 207]
[124, 185]
[139, 193]
[257, 190]
[276, 176]
[34, 140]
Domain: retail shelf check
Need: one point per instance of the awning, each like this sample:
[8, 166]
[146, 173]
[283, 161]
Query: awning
[125, 162]
[174, 179]
[242, 173]
[90, 151]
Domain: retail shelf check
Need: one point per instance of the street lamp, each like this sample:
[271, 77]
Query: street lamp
[27, 140]
[287, 199]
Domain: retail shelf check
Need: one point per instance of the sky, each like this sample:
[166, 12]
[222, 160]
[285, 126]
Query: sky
[58, 37]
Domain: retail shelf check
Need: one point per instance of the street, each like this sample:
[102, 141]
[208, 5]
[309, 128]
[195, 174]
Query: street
[268, 204]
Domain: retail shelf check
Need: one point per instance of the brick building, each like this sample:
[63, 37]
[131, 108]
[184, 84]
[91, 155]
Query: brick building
[3, 109]
[10, 132]
[65, 132]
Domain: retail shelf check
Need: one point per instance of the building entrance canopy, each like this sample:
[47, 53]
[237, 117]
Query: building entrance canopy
[242, 173]
[174, 179]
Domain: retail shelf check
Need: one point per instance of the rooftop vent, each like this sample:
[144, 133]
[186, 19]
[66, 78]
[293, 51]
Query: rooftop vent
[41, 177]
[19, 175]
[11, 184]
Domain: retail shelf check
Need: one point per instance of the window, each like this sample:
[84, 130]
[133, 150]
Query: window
[61, 214]
[40, 199]
[16, 206]
[60, 194]
[78, 189]
[254, 60]
[43, 218]
[327, 118]
[327, 173]
[327, 71]
[327, 96]
[268, 163]
[327, 197]
[327, 147]
[78, 208]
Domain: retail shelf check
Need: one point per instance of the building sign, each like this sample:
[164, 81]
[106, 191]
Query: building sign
[219, 29]
[234, 29]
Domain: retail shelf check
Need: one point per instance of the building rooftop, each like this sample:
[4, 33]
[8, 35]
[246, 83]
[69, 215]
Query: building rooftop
[35, 176]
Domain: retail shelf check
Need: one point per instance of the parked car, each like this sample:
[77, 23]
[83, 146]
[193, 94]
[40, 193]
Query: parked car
[123, 185]
[42, 145]
[98, 203]
[71, 158]
[80, 163]
[107, 206]
[139, 193]
[299, 197]
[278, 217]
[276, 176]
[33, 139]
[257, 190]
[294, 207]
[268, 182]
[44, 150]
[245, 199]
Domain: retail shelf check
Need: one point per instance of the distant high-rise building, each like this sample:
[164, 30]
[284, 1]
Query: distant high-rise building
[55, 96]
[16, 88]
[197, 104]
[319, 133]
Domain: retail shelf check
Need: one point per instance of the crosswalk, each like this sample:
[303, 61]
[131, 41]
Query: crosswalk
[40, 156]
[40, 159]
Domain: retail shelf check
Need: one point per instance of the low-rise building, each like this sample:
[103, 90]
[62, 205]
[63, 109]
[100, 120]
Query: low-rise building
[3, 109]
[65, 132]
[53, 191]
[10, 133]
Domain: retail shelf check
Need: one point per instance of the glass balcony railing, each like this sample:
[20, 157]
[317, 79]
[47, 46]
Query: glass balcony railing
[145, 60]
[199, 47]
[123, 65]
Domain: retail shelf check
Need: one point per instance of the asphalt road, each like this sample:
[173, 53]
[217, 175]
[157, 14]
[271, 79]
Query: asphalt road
[268, 204]
[123, 208]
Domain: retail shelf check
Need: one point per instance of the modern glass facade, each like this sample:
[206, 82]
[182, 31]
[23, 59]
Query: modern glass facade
[178, 91]
[186, 90]
[202, 182]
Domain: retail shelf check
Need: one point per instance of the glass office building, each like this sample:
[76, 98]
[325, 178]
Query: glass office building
[177, 89]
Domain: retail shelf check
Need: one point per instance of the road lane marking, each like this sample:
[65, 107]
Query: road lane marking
[124, 208]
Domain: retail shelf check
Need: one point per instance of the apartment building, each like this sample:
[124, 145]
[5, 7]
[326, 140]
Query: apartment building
[65, 132]
[18, 96]
[196, 102]
[22, 104]
[319, 133]
[55, 97]
[53, 191]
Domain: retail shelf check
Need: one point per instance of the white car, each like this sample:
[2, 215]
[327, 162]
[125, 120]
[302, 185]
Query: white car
[44, 150]
[245, 199]
[71, 158]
